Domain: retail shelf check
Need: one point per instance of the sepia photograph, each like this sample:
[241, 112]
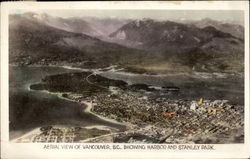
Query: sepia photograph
[127, 76]
[143, 77]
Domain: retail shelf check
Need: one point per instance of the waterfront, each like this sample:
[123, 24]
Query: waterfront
[147, 111]
[31, 109]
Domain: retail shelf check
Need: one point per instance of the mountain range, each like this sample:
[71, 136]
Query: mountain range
[234, 29]
[33, 41]
[205, 45]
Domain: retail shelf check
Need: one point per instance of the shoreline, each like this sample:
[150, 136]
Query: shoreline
[119, 70]
[25, 138]
[88, 105]
[88, 110]
[151, 118]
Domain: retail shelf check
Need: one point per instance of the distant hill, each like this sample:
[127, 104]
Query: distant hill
[185, 44]
[35, 42]
[236, 30]
[75, 25]
[138, 44]
[105, 26]
[166, 36]
[96, 27]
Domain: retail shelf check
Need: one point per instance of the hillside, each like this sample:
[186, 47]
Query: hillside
[166, 36]
[139, 45]
[202, 49]
[105, 26]
[34, 42]
[234, 29]
[75, 25]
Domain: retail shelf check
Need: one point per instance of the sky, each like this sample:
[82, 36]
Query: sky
[220, 15]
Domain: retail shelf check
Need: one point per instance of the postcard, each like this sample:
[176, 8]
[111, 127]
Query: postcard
[128, 79]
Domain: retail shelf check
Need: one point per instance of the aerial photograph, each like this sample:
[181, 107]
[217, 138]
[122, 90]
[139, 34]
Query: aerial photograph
[126, 76]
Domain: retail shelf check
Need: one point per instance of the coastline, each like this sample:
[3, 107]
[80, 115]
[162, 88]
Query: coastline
[87, 109]
[108, 111]
[120, 70]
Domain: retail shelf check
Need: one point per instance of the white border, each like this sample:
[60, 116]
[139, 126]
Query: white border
[18, 150]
